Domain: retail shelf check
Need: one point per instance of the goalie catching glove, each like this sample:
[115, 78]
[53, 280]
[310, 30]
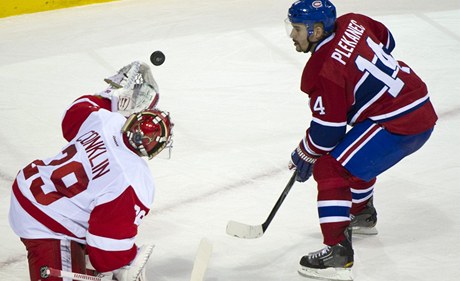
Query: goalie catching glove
[132, 89]
[302, 161]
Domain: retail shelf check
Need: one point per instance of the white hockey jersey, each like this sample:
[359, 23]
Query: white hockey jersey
[96, 191]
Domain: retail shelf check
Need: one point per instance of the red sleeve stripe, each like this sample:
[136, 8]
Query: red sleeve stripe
[307, 148]
[38, 214]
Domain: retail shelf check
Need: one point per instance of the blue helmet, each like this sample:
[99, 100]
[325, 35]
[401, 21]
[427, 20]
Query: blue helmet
[310, 12]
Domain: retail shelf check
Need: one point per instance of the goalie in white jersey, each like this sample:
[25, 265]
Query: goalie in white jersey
[90, 198]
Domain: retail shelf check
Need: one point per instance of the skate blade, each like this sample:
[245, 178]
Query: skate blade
[330, 273]
[364, 230]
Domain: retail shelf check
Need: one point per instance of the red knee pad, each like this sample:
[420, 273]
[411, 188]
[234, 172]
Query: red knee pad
[330, 174]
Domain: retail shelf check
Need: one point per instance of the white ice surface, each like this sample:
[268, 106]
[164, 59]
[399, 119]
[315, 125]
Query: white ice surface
[231, 82]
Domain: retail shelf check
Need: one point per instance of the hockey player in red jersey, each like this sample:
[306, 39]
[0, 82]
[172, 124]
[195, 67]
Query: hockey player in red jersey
[352, 79]
[91, 197]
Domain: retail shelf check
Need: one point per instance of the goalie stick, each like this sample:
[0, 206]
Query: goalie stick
[242, 230]
[201, 262]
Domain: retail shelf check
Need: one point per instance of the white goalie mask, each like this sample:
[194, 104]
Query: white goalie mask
[132, 89]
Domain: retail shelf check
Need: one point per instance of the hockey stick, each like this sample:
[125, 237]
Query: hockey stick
[242, 230]
[202, 258]
[46, 272]
[200, 265]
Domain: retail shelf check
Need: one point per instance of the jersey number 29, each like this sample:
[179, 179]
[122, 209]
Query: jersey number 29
[67, 168]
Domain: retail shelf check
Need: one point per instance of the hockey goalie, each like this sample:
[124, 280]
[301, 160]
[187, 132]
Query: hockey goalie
[89, 199]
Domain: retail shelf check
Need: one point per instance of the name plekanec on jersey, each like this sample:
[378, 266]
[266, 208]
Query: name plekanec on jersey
[348, 42]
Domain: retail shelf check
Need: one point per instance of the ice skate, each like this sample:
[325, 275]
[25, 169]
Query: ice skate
[330, 263]
[365, 221]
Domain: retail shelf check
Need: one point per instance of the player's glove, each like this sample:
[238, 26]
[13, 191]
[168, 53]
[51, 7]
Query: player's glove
[132, 89]
[129, 101]
[131, 74]
[136, 270]
[303, 162]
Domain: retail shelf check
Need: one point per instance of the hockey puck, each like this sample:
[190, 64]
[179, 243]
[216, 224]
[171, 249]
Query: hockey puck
[157, 58]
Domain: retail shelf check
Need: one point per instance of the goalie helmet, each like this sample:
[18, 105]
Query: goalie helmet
[310, 12]
[148, 132]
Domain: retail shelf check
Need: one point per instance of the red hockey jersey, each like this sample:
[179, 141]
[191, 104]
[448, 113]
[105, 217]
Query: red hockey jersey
[352, 76]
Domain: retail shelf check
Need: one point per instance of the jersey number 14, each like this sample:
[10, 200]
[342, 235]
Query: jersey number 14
[383, 67]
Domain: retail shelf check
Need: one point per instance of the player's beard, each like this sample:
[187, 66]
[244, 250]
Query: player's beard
[307, 49]
[301, 49]
[298, 47]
